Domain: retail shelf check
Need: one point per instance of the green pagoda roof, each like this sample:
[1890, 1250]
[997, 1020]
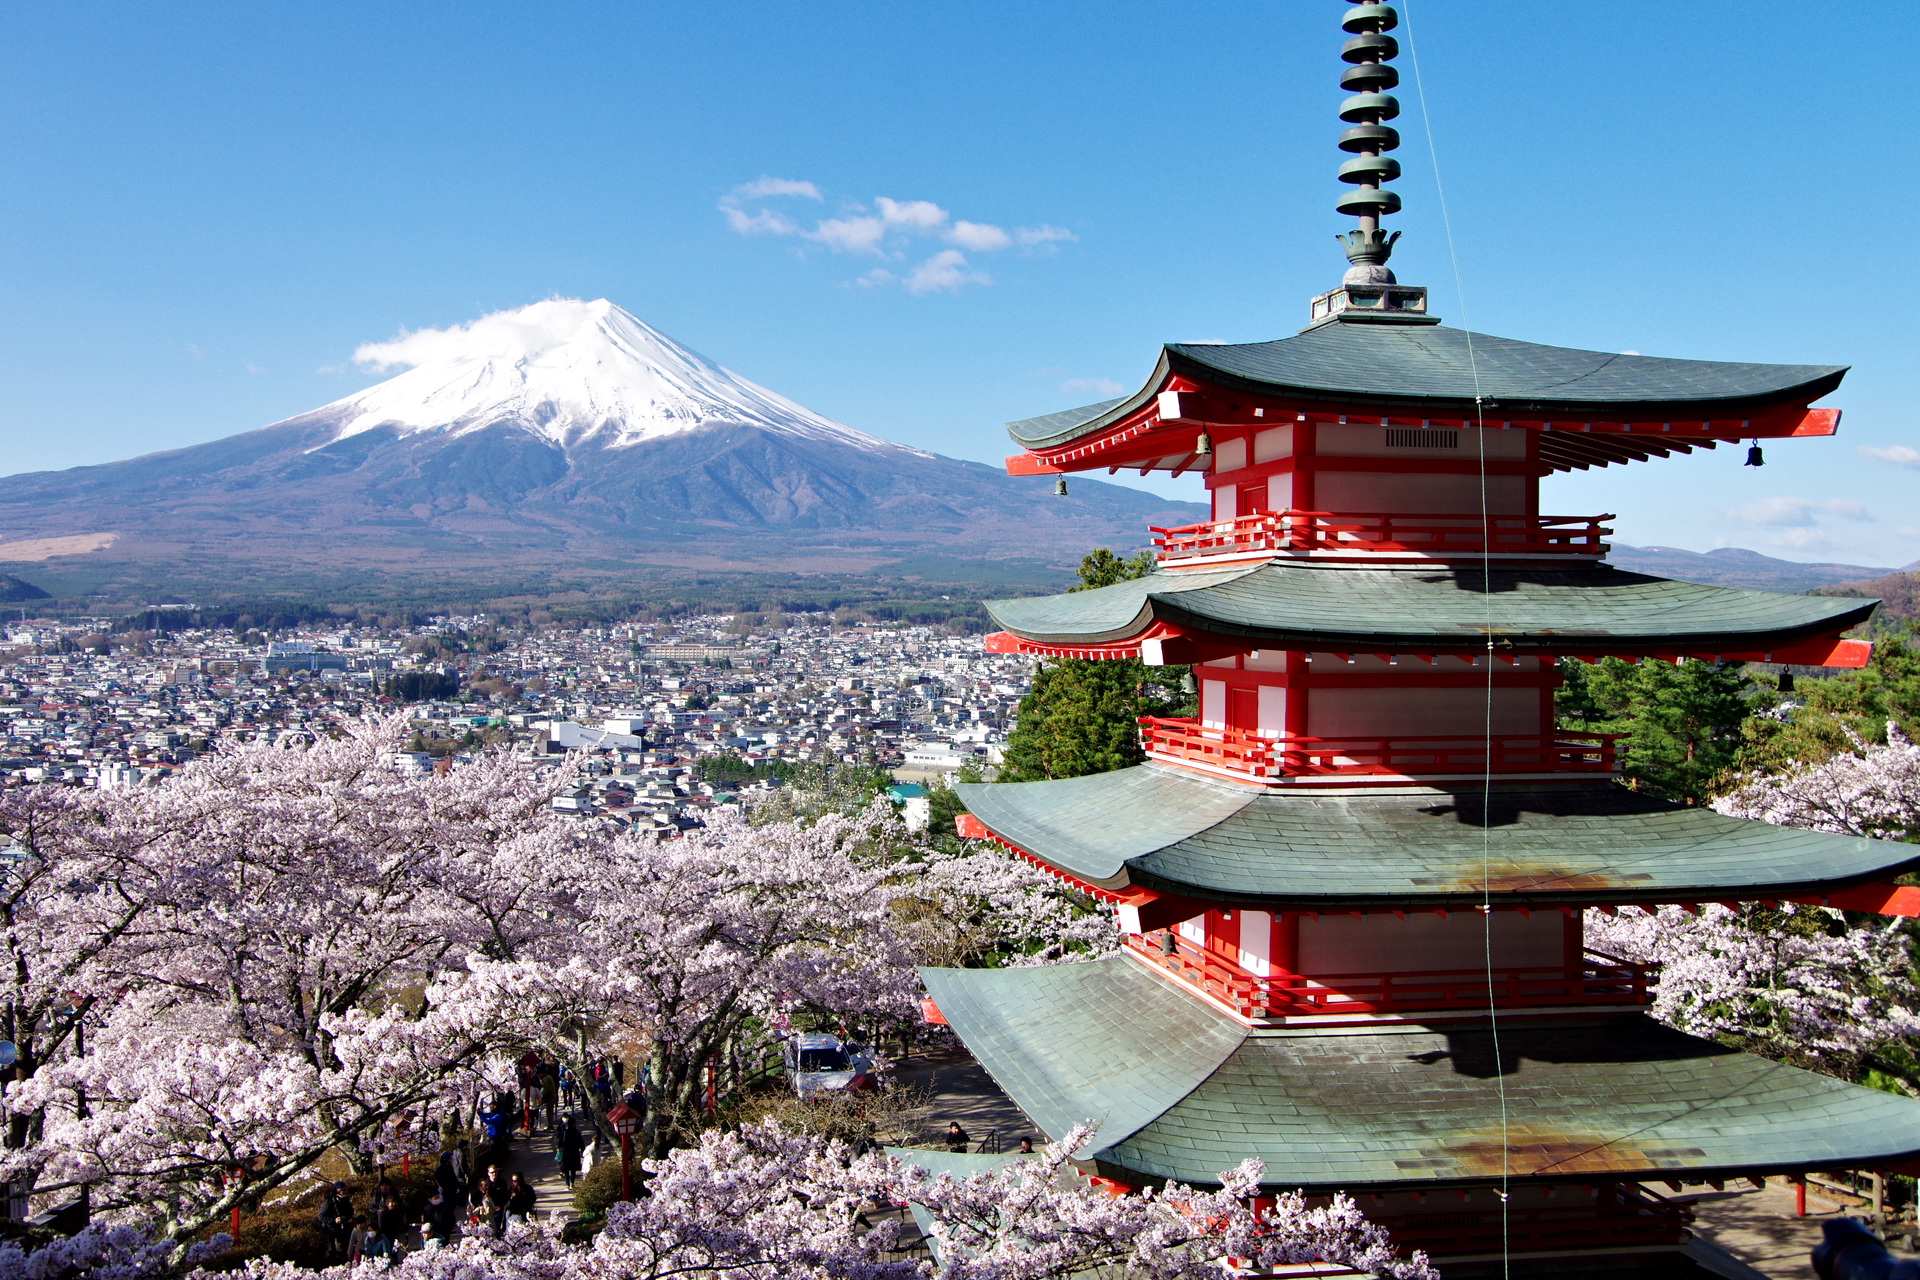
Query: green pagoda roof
[1427, 369]
[1291, 605]
[1181, 1091]
[1176, 831]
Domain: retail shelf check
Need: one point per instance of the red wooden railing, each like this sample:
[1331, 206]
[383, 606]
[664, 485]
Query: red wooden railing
[1386, 533]
[1292, 755]
[1599, 979]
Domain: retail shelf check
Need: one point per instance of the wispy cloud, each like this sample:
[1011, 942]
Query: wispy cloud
[1094, 386]
[1899, 455]
[1795, 512]
[887, 230]
[1795, 524]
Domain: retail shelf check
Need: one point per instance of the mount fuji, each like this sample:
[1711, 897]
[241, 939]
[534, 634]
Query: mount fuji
[565, 441]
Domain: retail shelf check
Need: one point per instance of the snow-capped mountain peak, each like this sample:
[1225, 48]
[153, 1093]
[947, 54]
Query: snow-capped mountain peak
[572, 372]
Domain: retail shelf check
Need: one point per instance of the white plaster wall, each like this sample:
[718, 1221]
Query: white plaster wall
[1417, 494]
[1274, 442]
[1256, 942]
[1273, 710]
[1224, 498]
[1229, 455]
[1429, 943]
[1213, 704]
[1381, 713]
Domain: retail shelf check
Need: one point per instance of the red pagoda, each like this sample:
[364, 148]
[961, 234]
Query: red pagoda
[1352, 887]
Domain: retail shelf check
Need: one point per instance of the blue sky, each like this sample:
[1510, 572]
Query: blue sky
[207, 207]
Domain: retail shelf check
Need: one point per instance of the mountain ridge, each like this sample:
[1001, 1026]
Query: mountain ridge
[596, 448]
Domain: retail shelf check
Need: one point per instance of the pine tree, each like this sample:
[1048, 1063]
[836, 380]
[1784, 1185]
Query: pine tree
[1682, 723]
[1082, 715]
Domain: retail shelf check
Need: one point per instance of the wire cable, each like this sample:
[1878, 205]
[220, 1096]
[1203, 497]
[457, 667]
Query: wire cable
[1486, 595]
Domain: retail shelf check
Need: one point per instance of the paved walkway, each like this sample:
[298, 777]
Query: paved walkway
[532, 1158]
[959, 1088]
[1759, 1227]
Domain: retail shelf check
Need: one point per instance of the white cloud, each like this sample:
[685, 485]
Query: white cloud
[850, 235]
[764, 186]
[887, 230]
[1899, 455]
[1029, 236]
[945, 272]
[921, 215]
[1096, 386]
[1801, 513]
[760, 222]
[983, 237]
[255, 369]
[1801, 540]
[503, 333]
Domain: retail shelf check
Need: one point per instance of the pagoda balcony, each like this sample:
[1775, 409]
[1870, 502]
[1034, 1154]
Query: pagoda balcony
[1256, 757]
[1599, 980]
[1383, 533]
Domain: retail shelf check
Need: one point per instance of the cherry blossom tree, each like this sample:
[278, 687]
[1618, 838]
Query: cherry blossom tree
[1872, 791]
[764, 1203]
[1796, 982]
[965, 902]
[697, 950]
[264, 953]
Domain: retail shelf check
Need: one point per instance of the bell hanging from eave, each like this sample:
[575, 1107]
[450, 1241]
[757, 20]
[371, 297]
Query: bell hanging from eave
[1754, 457]
[1060, 487]
[1203, 446]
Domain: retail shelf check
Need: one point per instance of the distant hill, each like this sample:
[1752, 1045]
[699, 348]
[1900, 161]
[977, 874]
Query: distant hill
[1899, 594]
[1739, 567]
[14, 590]
[563, 445]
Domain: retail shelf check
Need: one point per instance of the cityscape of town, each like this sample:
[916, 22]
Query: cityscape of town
[86, 707]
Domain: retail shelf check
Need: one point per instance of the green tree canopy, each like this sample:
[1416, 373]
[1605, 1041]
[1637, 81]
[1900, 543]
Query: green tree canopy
[1682, 723]
[1082, 715]
[1814, 722]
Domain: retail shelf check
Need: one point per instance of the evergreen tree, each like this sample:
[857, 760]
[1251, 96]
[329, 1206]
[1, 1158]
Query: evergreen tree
[1082, 715]
[1822, 716]
[1682, 723]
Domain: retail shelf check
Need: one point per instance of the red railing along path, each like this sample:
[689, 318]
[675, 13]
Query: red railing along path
[1598, 980]
[1253, 755]
[1387, 533]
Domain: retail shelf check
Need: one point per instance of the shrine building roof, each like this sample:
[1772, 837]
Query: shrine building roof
[1290, 605]
[1173, 830]
[1440, 371]
[1182, 1091]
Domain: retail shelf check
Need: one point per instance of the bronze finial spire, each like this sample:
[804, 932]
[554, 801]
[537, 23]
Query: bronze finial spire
[1369, 290]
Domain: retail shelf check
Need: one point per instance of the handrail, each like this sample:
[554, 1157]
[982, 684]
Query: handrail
[1241, 751]
[1387, 533]
[1597, 980]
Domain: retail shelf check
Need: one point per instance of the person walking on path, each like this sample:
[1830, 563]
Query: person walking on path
[567, 1148]
[442, 1212]
[549, 1091]
[336, 1220]
[478, 1193]
[520, 1199]
[956, 1137]
[499, 1190]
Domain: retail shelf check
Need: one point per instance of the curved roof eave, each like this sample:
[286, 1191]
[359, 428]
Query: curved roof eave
[1174, 831]
[1587, 609]
[1648, 388]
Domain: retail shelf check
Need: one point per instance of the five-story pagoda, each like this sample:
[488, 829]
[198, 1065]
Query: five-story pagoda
[1352, 887]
